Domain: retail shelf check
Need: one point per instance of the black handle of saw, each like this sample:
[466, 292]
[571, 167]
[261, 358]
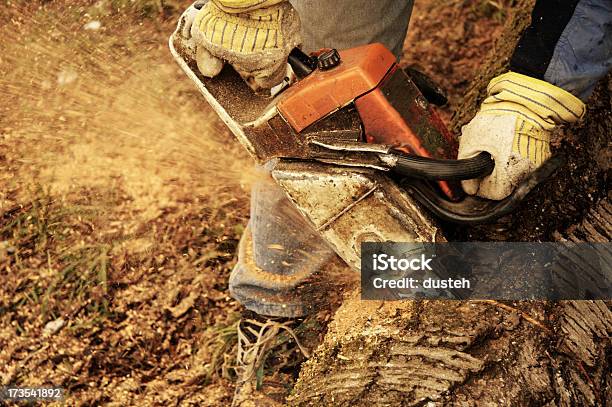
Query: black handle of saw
[474, 210]
[450, 170]
[301, 63]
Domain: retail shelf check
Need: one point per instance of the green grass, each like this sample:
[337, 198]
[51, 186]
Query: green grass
[52, 260]
[222, 348]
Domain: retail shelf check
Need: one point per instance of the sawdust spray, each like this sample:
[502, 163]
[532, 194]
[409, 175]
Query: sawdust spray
[103, 107]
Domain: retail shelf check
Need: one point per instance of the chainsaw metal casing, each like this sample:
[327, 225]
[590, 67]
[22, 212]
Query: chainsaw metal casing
[320, 156]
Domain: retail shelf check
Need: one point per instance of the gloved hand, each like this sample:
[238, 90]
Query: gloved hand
[185, 23]
[255, 36]
[514, 125]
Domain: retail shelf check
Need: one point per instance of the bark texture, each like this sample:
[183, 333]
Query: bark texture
[497, 63]
[461, 353]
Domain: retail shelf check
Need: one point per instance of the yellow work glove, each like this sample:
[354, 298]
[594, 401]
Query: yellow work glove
[254, 36]
[514, 125]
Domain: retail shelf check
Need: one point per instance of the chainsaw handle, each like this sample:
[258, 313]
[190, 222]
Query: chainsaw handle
[474, 210]
[414, 166]
[301, 63]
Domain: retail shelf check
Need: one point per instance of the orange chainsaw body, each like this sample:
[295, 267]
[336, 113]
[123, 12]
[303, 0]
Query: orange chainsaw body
[391, 108]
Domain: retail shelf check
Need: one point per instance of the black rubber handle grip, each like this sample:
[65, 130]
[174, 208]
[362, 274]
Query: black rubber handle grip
[301, 63]
[449, 170]
[474, 210]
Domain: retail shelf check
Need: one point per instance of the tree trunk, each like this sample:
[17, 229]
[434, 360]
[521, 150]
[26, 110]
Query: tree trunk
[484, 352]
[467, 352]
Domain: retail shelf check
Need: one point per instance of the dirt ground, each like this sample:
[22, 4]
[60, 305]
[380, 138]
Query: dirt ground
[122, 199]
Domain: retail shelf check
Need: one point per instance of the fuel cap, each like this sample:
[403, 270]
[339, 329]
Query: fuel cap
[328, 60]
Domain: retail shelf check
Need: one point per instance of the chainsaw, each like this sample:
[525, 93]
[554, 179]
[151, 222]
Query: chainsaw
[356, 146]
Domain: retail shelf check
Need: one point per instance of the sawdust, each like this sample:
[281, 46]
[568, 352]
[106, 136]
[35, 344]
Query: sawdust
[92, 110]
[121, 201]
